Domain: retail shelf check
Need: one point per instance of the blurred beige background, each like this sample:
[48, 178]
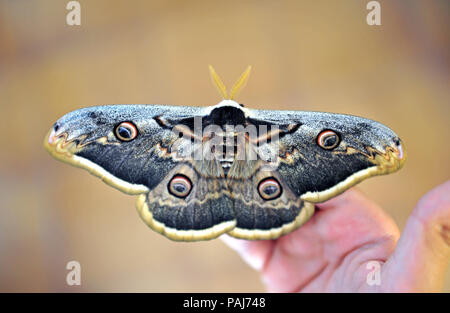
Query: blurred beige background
[306, 55]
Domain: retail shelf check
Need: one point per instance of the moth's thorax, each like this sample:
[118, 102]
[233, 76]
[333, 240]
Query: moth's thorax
[227, 103]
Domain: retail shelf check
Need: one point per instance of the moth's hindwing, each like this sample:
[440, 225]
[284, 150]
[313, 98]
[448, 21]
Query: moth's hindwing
[205, 213]
[261, 219]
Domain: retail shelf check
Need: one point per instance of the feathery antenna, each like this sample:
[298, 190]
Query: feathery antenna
[237, 87]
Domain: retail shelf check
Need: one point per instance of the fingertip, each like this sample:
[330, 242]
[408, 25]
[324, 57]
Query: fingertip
[426, 237]
[254, 253]
[434, 204]
[237, 245]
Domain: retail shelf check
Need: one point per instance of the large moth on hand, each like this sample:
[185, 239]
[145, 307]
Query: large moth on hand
[200, 172]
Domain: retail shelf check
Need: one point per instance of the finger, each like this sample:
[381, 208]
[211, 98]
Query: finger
[255, 253]
[350, 198]
[349, 220]
[422, 255]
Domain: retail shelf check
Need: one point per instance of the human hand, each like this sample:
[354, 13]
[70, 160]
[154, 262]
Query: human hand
[332, 251]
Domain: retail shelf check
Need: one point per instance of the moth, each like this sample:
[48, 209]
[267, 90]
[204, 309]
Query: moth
[200, 172]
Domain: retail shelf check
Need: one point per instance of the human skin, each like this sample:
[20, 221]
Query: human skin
[331, 252]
